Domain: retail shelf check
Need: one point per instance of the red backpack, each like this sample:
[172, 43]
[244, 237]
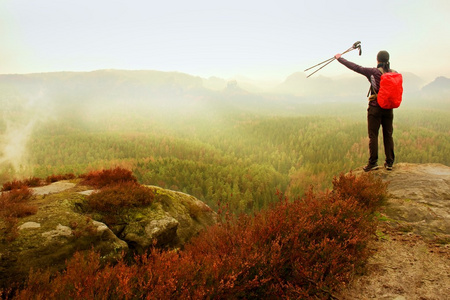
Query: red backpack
[391, 90]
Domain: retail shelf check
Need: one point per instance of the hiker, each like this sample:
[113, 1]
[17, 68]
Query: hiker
[376, 115]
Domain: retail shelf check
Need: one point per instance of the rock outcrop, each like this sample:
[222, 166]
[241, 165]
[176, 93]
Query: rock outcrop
[172, 220]
[412, 254]
[419, 200]
[61, 227]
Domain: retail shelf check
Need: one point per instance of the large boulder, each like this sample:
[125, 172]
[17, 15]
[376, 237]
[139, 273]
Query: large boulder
[62, 226]
[191, 214]
[51, 236]
[169, 222]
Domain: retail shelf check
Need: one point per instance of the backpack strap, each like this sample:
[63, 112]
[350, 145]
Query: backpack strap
[371, 87]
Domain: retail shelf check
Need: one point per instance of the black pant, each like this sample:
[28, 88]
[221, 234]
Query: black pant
[377, 116]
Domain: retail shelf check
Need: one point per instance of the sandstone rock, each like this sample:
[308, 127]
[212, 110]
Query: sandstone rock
[171, 221]
[419, 200]
[55, 187]
[141, 235]
[63, 226]
[87, 193]
[192, 214]
[412, 254]
[51, 236]
[60, 231]
[29, 225]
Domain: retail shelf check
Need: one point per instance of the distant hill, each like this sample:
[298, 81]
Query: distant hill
[176, 92]
[440, 87]
[165, 92]
[412, 84]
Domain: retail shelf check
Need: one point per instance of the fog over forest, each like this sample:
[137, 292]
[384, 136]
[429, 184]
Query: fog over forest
[56, 122]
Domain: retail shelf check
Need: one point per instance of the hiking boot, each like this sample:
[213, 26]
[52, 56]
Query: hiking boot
[370, 167]
[388, 166]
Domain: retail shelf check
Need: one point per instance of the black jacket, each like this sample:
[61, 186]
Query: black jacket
[372, 74]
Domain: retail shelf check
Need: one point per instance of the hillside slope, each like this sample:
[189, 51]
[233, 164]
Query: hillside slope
[412, 256]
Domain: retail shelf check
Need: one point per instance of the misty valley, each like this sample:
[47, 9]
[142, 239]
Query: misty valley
[220, 141]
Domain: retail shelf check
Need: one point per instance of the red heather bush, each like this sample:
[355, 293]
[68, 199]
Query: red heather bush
[55, 178]
[80, 280]
[14, 184]
[17, 184]
[35, 181]
[299, 250]
[103, 178]
[112, 198]
[15, 204]
[368, 190]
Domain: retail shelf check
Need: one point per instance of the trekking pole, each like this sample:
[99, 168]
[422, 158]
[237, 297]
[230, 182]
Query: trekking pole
[356, 45]
[330, 59]
[348, 50]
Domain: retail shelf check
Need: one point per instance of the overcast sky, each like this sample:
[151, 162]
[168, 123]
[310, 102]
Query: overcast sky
[257, 39]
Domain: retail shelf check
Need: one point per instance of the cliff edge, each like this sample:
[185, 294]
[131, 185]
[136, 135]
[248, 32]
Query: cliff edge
[411, 257]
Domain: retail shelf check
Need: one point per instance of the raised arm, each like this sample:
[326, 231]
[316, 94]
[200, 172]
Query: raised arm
[357, 68]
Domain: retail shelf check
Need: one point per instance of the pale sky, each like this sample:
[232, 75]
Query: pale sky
[257, 39]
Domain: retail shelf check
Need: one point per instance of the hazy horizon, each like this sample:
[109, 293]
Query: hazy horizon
[268, 40]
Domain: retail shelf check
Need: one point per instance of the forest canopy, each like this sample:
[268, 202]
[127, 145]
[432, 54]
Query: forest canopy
[229, 146]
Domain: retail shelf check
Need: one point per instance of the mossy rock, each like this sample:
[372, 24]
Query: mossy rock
[192, 214]
[51, 237]
[64, 225]
[169, 222]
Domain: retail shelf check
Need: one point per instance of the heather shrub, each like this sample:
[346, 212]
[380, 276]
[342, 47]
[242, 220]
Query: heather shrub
[35, 181]
[103, 178]
[14, 184]
[55, 178]
[299, 249]
[302, 249]
[18, 184]
[80, 280]
[368, 190]
[111, 200]
[15, 204]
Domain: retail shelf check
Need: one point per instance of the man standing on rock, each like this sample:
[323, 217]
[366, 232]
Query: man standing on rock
[376, 115]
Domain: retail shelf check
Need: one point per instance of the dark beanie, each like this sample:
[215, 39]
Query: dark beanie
[383, 56]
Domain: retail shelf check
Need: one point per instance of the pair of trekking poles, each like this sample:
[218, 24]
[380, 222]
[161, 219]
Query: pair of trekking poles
[356, 45]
